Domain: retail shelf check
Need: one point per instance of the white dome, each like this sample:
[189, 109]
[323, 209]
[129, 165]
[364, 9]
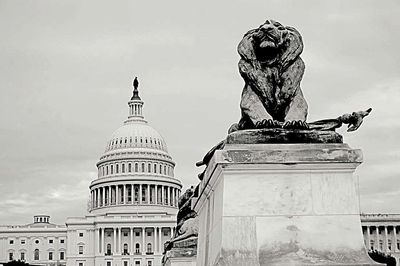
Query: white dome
[136, 134]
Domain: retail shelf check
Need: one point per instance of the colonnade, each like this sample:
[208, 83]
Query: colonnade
[383, 238]
[121, 194]
[132, 240]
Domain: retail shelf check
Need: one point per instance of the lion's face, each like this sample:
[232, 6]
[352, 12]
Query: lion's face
[267, 41]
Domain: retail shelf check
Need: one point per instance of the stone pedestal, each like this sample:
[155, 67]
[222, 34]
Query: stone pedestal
[281, 204]
[182, 253]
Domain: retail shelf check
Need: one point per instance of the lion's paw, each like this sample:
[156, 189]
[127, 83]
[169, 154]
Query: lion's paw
[295, 124]
[268, 123]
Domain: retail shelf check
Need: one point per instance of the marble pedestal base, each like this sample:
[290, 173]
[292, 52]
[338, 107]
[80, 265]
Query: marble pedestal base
[281, 204]
[182, 253]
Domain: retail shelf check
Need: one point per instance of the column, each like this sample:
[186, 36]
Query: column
[115, 241]
[368, 246]
[103, 196]
[143, 241]
[102, 241]
[96, 241]
[132, 194]
[125, 197]
[116, 195]
[119, 244]
[159, 239]
[162, 195]
[168, 195]
[155, 194]
[131, 246]
[377, 237]
[394, 239]
[140, 194]
[109, 195]
[154, 240]
[172, 231]
[148, 193]
[385, 243]
[174, 197]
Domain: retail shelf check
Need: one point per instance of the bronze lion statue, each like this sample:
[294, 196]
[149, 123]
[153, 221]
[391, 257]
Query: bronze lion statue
[272, 69]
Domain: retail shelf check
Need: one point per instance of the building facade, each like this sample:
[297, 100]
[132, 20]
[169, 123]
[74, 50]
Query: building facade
[133, 207]
[381, 233]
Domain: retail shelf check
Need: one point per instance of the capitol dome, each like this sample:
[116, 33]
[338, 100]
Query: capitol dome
[135, 169]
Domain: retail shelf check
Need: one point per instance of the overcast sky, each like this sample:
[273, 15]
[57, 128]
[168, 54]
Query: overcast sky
[66, 69]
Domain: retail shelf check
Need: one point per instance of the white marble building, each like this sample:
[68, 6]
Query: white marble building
[132, 212]
[381, 232]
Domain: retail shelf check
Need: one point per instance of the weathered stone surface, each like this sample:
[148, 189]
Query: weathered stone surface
[280, 204]
[279, 135]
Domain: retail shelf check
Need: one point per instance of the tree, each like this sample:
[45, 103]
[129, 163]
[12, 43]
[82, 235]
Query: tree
[382, 258]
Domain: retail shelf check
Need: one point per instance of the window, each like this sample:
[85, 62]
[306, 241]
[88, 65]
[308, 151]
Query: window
[62, 255]
[372, 245]
[62, 241]
[142, 167]
[108, 263]
[80, 234]
[80, 249]
[136, 167]
[50, 241]
[129, 167]
[108, 249]
[389, 244]
[149, 250]
[10, 256]
[155, 168]
[11, 241]
[398, 244]
[36, 241]
[165, 233]
[108, 233]
[117, 169]
[80, 264]
[125, 263]
[148, 233]
[22, 241]
[36, 254]
[137, 233]
[380, 245]
[112, 169]
[22, 256]
[125, 233]
[125, 249]
[137, 248]
[123, 168]
[149, 263]
[50, 255]
[137, 263]
[149, 168]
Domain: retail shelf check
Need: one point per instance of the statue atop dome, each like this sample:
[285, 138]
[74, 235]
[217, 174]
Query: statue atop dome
[135, 90]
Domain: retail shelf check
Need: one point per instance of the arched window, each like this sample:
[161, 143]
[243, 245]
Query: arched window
[155, 168]
[165, 170]
[107, 169]
[160, 169]
[36, 254]
[137, 248]
[149, 168]
[123, 168]
[108, 249]
[136, 167]
[117, 169]
[112, 169]
[126, 249]
[129, 167]
[149, 250]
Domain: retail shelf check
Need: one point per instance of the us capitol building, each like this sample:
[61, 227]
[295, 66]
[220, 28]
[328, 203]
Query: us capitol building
[133, 207]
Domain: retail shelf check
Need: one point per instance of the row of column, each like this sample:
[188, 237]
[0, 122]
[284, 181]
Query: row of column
[134, 194]
[386, 242]
[117, 243]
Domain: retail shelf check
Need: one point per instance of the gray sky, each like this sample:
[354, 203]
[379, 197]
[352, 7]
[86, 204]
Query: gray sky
[66, 69]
